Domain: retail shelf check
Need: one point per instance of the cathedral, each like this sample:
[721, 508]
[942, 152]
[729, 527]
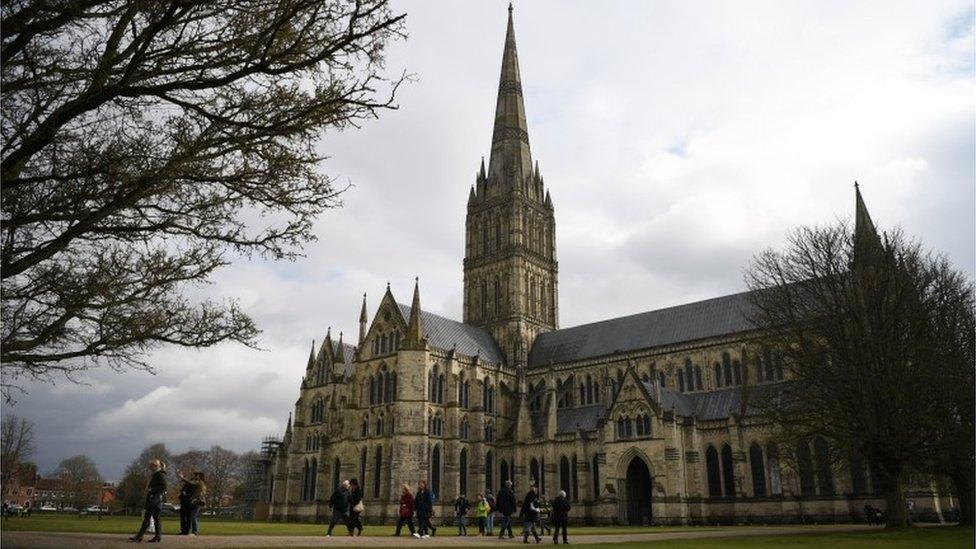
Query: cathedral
[641, 419]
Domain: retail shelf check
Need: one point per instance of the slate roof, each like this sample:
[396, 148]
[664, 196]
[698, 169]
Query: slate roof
[586, 417]
[692, 321]
[348, 353]
[444, 333]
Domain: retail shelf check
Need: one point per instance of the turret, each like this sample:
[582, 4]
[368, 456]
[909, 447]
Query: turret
[362, 322]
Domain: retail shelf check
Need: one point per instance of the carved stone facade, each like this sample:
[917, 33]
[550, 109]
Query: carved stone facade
[643, 419]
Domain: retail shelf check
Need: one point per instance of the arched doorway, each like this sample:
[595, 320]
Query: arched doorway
[638, 493]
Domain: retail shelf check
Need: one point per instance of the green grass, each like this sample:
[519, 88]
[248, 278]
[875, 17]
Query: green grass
[934, 537]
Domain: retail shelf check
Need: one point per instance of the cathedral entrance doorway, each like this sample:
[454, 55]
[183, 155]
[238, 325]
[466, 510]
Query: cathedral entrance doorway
[638, 494]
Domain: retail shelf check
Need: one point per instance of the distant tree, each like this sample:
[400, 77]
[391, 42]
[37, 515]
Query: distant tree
[855, 317]
[82, 481]
[16, 447]
[131, 492]
[146, 144]
[224, 471]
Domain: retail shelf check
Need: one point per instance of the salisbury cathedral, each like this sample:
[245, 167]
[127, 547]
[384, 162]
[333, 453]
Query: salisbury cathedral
[640, 419]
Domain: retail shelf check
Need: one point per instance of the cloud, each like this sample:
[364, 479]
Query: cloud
[677, 140]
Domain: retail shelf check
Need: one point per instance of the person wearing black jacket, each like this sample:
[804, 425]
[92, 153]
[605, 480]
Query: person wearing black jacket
[530, 515]
[560, 516]
[461, 507]
[339, 503]
[506, 506]
[424, 505]
[155, 493]
[355, 517]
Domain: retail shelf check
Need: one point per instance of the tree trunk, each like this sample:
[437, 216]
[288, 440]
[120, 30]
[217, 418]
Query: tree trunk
[896, 515]
[965, 488]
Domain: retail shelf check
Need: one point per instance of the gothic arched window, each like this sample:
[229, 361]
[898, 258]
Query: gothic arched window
[681, 381]
[727, 369]
[565, 475]
[728, 470]
[758, 470]
[805, 466]
[718, 375]
[714, 473]
[489, 468]
[377, 471]
[435, 470]
[463, 472]
[689, 374]
[825, 476]
[772, 464]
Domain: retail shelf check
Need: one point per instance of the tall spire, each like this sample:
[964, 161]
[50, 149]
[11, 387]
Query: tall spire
[864, 228]
[510, 139]
[415, 331]
[311, 356]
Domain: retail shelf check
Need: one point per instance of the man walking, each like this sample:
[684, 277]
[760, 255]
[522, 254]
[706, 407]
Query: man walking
[339, 503]
[506, 506]
[461, 507]
[560, 516]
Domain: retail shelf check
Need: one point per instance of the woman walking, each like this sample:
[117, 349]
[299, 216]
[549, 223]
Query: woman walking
[154, 501]
[356, 508]
[424, 505]
[406, 512]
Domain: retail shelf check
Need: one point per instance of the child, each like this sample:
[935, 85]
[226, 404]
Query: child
[482, 511]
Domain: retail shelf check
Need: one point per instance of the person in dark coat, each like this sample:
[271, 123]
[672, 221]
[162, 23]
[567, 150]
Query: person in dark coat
[424, 505]
[506, 503]
[192, 497]
[339, 503]
[405, 514]
[355, 517]
[560, 516]
[155, 493]
[530, 515]
[461, 506]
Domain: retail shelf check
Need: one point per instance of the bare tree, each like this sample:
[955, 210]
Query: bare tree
[146, 144]
[82, 481]
[224, 470]
[855, 317]
[131, 491]
[16, 447]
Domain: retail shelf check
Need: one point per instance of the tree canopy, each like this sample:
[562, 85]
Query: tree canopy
[877, 335]
[147, 144]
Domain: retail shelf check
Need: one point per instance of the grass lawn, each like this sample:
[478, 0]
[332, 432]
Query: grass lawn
[927, 537]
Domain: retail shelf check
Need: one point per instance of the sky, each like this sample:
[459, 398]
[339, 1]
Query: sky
[678, 139]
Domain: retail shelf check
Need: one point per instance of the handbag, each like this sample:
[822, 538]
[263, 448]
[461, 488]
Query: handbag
[359, 508]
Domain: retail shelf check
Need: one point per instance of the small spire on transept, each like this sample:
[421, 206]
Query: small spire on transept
[340, 354]
[311, 356]
[363, 320]
[415, 332]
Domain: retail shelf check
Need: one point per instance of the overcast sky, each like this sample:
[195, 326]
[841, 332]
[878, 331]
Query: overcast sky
[677, 138]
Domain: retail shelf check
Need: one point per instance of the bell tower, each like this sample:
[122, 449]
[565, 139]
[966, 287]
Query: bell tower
[510, 268]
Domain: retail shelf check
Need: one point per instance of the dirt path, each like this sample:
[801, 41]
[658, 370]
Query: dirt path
[12, 540]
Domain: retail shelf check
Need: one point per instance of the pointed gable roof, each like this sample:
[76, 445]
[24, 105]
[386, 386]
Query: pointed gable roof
[510, 139]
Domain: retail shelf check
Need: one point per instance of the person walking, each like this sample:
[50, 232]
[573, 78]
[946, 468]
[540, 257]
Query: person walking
[356, 508]
[490, 519]
[560, 516]
[481, 512]
[461, 507]
[545, 515]
[506, 507]
[155, 492]
[405, 514]
[530, 515]
[339, 503]
[424, 505]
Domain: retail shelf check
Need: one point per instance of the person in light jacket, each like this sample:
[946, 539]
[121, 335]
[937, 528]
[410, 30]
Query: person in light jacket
[155, 493]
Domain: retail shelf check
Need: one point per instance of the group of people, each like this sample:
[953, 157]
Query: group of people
[346, 504]
[192, 497]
